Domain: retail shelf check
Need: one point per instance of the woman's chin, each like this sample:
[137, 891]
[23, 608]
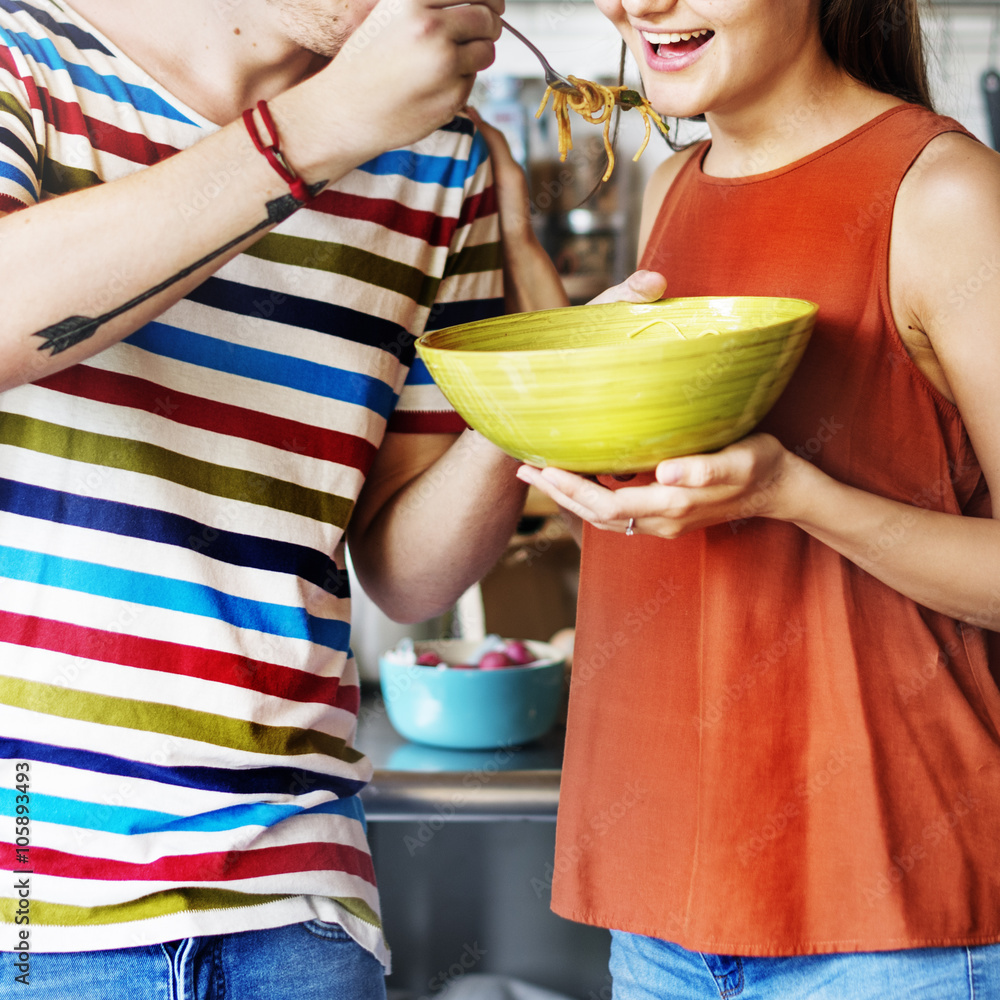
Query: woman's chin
[675, 109]
[671, 105]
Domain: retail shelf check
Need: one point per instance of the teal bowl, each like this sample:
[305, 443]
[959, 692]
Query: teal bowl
[472, 709]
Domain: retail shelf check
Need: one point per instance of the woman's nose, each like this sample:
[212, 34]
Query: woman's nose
[646, 8]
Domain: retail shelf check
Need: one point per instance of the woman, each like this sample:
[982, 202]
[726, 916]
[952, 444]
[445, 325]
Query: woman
[782, 774]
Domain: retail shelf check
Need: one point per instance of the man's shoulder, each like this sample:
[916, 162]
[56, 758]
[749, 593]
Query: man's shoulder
[28, 22]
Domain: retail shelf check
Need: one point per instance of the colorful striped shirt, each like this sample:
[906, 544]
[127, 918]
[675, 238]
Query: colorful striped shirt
[178, 699]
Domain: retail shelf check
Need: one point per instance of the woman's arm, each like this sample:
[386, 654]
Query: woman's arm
[435, 514]
[945, 284]
[530, 279]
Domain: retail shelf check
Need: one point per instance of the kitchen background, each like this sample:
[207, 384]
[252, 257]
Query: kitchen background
[466, 904]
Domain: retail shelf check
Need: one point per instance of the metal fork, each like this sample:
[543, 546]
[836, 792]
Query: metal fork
[555, 80]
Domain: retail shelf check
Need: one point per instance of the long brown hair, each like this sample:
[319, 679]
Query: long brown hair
[879, 42]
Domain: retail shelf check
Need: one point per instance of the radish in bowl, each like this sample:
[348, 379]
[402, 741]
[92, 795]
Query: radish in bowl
[467, 695]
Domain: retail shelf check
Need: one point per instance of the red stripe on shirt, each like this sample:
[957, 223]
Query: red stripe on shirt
[416, 422]
[206, 414]
[7, 63]
[188, 869]
[174, 658]
[434, 229]
[478, 206]
[132, 146]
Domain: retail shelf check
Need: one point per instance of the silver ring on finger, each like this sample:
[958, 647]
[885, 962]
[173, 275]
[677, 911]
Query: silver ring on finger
[630, 527]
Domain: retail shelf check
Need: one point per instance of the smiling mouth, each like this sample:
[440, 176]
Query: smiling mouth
[677, 43]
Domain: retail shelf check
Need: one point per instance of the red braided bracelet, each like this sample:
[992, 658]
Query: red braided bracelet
[273, 155]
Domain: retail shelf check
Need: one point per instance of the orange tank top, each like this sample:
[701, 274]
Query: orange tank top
[770, 752]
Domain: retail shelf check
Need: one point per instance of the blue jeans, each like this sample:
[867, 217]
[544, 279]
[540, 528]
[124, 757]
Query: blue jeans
[644, 968]
[309, 961]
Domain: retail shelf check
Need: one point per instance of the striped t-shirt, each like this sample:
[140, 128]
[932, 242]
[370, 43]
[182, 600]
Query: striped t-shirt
[178, 700]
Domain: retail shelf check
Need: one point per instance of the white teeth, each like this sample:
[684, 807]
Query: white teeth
[655, 38]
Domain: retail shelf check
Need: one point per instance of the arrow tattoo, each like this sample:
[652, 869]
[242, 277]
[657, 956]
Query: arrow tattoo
[62, 335]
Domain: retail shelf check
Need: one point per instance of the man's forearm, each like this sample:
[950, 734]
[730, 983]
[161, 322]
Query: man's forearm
[84, 270]
[442, 532]
[127, 251]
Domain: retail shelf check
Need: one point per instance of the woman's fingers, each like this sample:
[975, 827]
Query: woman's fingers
[696, 471]
[640, 286]
[577, 495]
[591, 501]
[739, 482]
[749, 464]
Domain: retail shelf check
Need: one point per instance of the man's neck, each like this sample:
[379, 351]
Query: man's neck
[218, 58]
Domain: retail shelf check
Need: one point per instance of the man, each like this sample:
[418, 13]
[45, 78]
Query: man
[207, 331]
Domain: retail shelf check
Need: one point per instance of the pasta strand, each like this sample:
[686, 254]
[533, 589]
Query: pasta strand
[596, 102]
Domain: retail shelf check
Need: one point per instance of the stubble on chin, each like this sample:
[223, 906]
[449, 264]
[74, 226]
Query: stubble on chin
[313, 25]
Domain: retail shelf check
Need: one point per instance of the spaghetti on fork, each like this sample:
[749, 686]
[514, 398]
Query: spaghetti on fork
[596, 102]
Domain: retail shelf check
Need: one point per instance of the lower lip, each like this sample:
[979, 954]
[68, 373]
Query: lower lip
[673, 64]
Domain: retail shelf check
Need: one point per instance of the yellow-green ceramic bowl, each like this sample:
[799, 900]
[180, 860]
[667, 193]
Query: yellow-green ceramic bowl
[619, 387]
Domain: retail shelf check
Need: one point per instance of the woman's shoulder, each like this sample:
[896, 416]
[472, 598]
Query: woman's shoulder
[953, 165]
[952, 187]
[945, 253]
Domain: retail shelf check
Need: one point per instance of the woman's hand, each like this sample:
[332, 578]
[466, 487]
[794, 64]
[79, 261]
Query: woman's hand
[751, 478]
[639, 286]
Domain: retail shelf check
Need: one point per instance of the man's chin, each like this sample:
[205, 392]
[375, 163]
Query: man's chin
[322, 34]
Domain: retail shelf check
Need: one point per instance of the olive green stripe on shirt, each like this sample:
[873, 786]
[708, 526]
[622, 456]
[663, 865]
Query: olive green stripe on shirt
[161, 904]
[156, 904]
[10, 104]
[58, 178]
[475, 259]
[168, 720]
[360, 909]
[152, 460]
[350, 262]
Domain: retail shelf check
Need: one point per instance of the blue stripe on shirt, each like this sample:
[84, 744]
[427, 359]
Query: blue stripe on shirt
[131, 521]
[479, 153]
[142, 98]
[172, 595]
[11, 173]
[129, 821]
[77, 36]
[424, 169]
[234, 781]
[418, 374]
[265, 366]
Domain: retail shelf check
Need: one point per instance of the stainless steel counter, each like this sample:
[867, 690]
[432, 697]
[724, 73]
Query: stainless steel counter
[446, 884]
[435, 786]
